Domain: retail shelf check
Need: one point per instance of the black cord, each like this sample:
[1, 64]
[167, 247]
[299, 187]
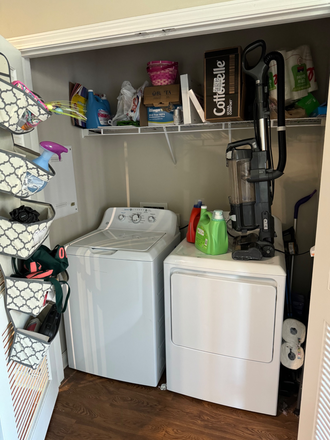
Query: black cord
[270, 152]
[230, 235]
[183, 227]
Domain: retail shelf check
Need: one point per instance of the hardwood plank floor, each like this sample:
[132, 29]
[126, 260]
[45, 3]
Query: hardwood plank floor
[94, 408]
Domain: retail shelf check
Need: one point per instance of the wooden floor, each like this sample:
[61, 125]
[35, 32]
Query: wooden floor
[93, 408]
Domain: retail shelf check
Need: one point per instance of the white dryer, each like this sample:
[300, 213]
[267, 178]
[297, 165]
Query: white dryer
[223, 322]
[115, 319]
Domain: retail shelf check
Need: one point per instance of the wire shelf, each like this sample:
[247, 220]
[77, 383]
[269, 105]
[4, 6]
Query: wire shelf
[191, 128]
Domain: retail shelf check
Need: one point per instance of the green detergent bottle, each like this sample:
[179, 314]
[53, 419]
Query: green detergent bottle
[211, 233]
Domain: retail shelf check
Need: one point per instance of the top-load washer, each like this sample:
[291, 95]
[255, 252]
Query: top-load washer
[223, 321]
[115, 320]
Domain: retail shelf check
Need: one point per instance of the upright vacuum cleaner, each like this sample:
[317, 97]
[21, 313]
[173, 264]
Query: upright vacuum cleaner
[250, 164]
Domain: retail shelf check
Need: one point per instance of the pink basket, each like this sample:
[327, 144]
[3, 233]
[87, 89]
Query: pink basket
[160, 63]
[162, 72]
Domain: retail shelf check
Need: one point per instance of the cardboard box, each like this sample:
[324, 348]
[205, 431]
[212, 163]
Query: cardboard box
[162, 96]
[223, 85]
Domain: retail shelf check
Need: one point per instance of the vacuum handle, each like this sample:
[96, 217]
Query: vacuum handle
[251, 142]
[257, 72]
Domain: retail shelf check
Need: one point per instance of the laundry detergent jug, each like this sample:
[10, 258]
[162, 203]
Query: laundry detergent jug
[211, 233]
[98, 111]
[193, 222]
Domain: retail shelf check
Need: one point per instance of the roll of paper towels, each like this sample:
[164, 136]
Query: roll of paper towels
[293, 331]
[292, 356]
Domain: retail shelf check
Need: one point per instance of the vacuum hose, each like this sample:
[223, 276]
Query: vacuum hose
[277, 56]
[260, 75]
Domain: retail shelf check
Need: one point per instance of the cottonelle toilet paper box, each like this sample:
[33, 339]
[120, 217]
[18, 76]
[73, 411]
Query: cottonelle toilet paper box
[223, 85]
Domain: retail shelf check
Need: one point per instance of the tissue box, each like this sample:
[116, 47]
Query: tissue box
[160, 115]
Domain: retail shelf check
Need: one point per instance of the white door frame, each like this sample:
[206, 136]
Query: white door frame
[319, 313]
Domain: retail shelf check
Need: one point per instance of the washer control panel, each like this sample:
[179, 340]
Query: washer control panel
[143, 219]
[137, 215]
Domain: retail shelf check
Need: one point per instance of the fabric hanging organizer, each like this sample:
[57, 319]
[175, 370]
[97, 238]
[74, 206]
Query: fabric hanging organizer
[20, 109]
[20, 240]
[26, 300]
[30, 347]
[15, 168]
[27, 295]
[27, 349]
[17, 106]
[34, 306]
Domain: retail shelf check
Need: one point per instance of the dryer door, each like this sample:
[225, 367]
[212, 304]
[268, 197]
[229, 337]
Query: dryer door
[229, 316]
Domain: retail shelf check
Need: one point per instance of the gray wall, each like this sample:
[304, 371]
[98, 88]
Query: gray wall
[200, 171]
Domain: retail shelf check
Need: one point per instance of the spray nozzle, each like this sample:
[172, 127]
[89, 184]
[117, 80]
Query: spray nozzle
[54, 148]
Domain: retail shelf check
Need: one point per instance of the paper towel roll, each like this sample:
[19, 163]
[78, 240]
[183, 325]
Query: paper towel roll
[292, 356]
[293, 331]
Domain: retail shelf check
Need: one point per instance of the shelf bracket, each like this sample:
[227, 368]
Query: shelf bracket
[169, 145]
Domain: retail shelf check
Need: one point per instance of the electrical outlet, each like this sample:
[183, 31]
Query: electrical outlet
[153, 205]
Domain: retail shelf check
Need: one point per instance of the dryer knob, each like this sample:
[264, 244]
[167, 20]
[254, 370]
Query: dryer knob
[152, 219]
[121, 217]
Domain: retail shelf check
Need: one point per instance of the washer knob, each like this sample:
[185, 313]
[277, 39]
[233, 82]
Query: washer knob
[121, 217]
[136, 218]
[151, 219]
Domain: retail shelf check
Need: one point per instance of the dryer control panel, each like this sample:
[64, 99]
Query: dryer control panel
[140, 219]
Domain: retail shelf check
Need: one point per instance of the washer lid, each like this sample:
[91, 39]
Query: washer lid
[118, 239]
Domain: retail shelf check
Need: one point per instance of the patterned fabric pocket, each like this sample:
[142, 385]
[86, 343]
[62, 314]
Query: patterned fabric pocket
[20, 240]
[27, 296]
[15, 104]
[27, 349]
[14, 169]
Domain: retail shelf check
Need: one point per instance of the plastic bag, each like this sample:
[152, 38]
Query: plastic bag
[299, 74]
[129, 100]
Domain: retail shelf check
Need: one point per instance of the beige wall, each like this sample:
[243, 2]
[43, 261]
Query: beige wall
[18, 19]
[200, 170]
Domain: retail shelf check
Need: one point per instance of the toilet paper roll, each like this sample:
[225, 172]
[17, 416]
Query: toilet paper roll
[293, 331]
[292, 356]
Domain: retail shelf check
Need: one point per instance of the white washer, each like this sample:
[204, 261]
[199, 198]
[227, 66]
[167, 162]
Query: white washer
[223, 321]
[115, 319]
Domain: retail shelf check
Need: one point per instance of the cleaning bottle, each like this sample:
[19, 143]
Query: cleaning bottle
[98, 111]
[193, 222]
[211, 232]
[33, 183]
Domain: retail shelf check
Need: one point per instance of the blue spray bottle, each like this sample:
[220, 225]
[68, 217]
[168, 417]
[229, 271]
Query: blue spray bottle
[33, 183]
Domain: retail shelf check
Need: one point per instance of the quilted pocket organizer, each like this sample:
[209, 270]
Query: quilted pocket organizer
[20, 240]
[27, 349]
[27, 295]
[30, 304]
[15, 167]
[17, 107]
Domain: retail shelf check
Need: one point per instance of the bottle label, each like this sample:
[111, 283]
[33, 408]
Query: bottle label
[103, 116]
[201, 239]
